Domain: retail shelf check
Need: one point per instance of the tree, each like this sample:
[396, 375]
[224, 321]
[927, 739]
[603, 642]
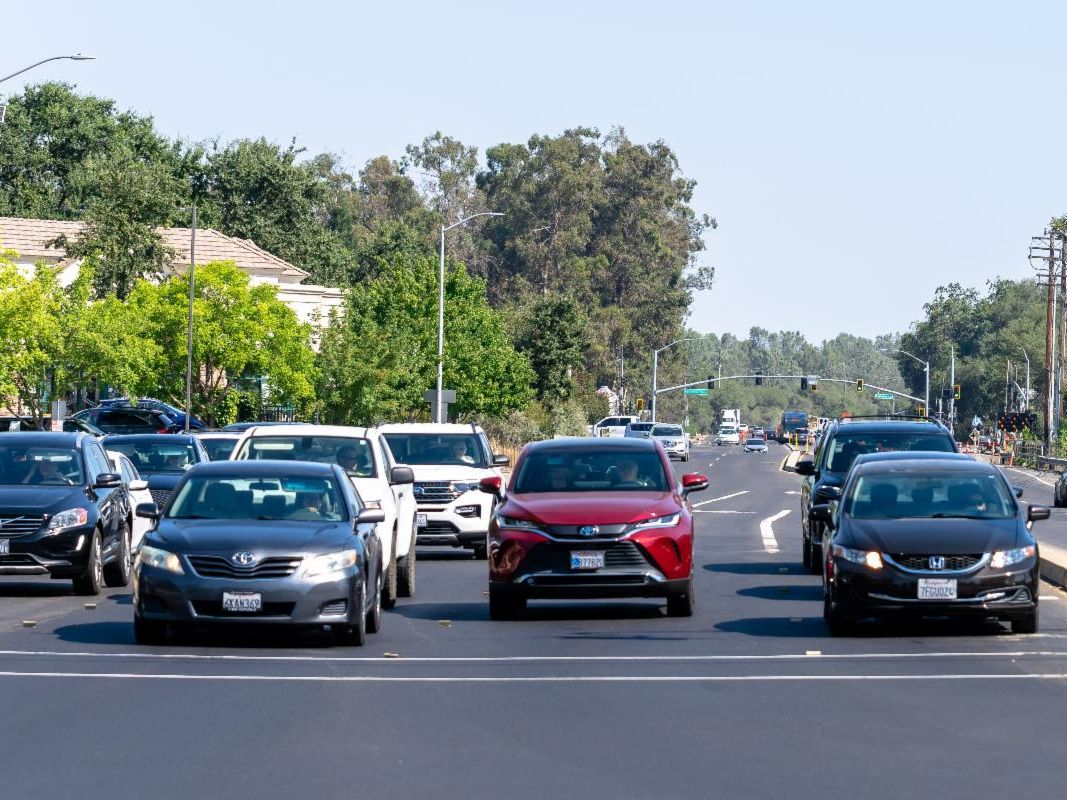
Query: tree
[239, 330]
[552, 336]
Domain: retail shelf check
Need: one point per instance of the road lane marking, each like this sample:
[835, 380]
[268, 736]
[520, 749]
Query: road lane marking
[717, 499]
[716, 511]
[770, 544]
[979, 676]
[792, 491]
[1028, 475]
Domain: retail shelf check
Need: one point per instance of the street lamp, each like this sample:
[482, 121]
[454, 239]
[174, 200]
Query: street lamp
[655, 368]
[75, 57]
[441, 307]
[189, 341]
[926, 369]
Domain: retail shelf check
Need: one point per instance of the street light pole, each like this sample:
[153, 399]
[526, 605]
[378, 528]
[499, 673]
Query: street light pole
[75, 57]
[655, 368]
[441, 308]
[189, 342]
[926, 369]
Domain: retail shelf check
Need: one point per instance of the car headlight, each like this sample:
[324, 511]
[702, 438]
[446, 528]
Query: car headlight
[515, 522]
[871, 559]
[71, 518]
[463, 486]
[668, 521]
[1005, 558]
[331, 562]
[160, 559]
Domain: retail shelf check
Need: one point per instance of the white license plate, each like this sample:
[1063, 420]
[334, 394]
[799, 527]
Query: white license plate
[937, 589]
[247, 602]
[5, 547]
[587, 559]
[420, 520]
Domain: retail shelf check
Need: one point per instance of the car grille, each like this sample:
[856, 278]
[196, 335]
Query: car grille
[556, 558]
[434, 493]
[160, 496]
[11, 525]
[922, 562]
[572, 531]
[438, 526]
[220, 567]
[213, 608]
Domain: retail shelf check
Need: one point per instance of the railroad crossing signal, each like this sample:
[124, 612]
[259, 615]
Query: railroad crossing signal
[859, 384]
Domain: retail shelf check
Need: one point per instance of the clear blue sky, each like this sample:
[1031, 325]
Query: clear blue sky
[856, 155]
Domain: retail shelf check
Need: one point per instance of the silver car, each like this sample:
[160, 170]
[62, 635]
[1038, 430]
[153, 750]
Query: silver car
[755, 445]
[673, 438]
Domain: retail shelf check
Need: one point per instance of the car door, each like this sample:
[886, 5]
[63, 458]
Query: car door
[111, 503]
[403, 497]
[137, 489]
[375, 489]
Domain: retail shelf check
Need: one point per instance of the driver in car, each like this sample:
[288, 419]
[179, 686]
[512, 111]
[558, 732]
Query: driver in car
[46, 471]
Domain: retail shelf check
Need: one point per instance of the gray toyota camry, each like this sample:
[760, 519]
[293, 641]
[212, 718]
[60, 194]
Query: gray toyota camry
[260, 543]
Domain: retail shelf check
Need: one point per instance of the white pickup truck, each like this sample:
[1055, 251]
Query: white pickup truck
[449, 460]
[379, 480]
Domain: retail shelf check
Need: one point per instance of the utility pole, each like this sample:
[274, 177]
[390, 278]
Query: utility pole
[1043, 258]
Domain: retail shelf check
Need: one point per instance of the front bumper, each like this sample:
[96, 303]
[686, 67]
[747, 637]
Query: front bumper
[162, 596]
[63, 554]
[988, 592]
[463, 522]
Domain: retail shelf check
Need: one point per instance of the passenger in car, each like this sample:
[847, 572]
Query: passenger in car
[884, 500]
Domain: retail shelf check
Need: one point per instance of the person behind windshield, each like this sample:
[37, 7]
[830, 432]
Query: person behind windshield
[459, 452]
[174, 462]
[352, 460]
[46, 471]
[627, 472]
[968, 498]
[308, 506]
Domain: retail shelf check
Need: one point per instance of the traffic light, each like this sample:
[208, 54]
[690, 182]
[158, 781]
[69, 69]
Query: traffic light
[640, 404]
[711, 381]
[804, 384]
[957, 392]
[921, 412]
[759, 377]
[813, 382]
[859, 384]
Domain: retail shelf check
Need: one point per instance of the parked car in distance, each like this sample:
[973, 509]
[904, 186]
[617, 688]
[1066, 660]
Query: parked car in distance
[673, 439]
[638, 430]
[64, 511]
[161, 459]
[218, 444]
[70, 425]
[755, 444]
[934, 537]
[280, 543]
[587, 518]
[176, 414]
[128, 420]
[137, 488]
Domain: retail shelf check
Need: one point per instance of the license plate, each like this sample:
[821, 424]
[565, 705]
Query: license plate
[587, 559]
[420, 520]
[937, 589]
[247, 602]
[5, 547]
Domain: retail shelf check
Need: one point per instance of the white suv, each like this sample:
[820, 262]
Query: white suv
[381, 483]
[448, 460]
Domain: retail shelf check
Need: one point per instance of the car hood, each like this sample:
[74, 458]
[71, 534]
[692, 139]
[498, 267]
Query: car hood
[588, 508]
[935, 536]
[187, 536]
[38, 500]
[450, 472]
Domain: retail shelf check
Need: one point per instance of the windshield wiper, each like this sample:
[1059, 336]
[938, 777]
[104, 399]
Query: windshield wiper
[943, 515]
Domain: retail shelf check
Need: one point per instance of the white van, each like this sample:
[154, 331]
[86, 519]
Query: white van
[612, 426]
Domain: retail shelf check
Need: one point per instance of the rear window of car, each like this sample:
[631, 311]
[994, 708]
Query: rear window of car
[352, 453]
[842, 450]
[667, 430]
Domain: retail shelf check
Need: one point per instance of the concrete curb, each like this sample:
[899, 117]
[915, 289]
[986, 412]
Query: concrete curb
[789, 463]
[1053, 564]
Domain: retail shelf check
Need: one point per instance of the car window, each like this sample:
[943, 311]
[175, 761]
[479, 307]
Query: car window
[96, 461]
[219, 449]
[846, 445]
[930, 494]
[438, 448]
[155, 456]
[350, 452]
[40, 465]
[281, 497]
[617, 470]
[667, 430]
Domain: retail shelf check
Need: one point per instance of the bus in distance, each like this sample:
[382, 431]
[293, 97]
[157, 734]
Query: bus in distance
[791, 421]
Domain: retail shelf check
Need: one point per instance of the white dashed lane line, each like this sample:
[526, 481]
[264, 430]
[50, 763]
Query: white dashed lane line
[718, 499]
[770, 544]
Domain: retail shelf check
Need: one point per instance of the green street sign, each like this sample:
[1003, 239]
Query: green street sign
[883, 396]
[696, 391]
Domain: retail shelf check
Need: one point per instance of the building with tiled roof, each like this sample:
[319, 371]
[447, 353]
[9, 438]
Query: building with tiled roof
[29, 239]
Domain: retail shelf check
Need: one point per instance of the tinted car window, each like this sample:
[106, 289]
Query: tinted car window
[842, 450]
[219, 449]
[154, 456]
[352, 453]
[930, 494]
[619, 470]
[436, 448]
[40, 464]
[288, 498]
[667, 430]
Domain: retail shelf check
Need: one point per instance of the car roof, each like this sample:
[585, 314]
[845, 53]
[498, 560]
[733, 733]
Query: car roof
[262, 467]
[887, 425]
[36, 438]
[910, 455]
[304, 429]
[218, 434]
[428, 427]
[584, 443]
[919, 465]
[148, 437]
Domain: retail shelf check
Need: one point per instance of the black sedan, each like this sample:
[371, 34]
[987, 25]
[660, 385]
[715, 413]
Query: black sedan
[64, 513]
[929, 537]
[160, 458]
[264, 543]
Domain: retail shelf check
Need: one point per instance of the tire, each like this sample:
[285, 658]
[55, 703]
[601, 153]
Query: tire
[355, 635]
[405, 568]
[481, 552]
[504, 604]
[149, 631]
[390, 586]
[1027, 624]
[816, 559]
[681, 604]
[117, 573]
[805, 547]
[685, 457]
[374, 616]
[92, 580]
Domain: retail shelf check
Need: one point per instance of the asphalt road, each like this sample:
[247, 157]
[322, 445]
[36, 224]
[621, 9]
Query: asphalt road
[748, 698]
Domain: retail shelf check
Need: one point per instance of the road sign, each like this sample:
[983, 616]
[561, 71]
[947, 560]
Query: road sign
[696, 391]
[883, 396]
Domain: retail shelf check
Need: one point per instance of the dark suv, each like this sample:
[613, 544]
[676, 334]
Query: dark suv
[129, 420]
[63, 511]
[844, 439]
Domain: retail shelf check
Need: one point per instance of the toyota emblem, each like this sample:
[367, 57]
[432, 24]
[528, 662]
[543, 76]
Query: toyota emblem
[937, 562]
[589, 530]
[243, 559]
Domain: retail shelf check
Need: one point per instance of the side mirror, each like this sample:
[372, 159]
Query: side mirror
[501, 461]
[148, 511]
[399, 475]
[694, 482]
[370, 516]
[108, 480]
[1035, 513]
[137, 486]
[805, 466]
[1017, 491]
[491, 485]
[828, 493]
[821, 513]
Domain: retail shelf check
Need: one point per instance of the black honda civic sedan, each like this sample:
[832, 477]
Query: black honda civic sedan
[929, 537]
[260, 543]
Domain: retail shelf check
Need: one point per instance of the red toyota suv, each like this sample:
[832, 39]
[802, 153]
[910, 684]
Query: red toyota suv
[592, 518]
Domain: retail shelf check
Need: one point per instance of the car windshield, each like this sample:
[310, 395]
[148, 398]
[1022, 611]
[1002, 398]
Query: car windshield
[667, 430]
[44, 466]
[930, 494]
[846, 445]
[219, 449]
[351, 452]
[591, 471]
[435, 448]
[756, 441]
[155, 456]
[314, 499]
